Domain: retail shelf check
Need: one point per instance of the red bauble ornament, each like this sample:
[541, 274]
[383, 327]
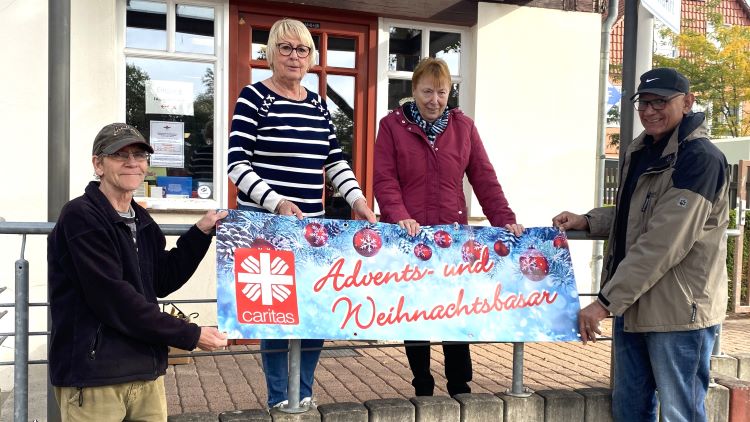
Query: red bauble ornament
[560, 241]
[471, 250]
[534, 264]
[501, 248]
[367, 242]
[423, 252]
[443, 239]
[316, 234]
[260, 243]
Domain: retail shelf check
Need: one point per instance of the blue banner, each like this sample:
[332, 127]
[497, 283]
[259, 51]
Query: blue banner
[280, 277]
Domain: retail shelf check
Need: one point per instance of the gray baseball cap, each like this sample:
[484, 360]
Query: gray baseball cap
[116, 136]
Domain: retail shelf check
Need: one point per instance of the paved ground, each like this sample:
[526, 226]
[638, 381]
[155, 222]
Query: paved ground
[235, 382]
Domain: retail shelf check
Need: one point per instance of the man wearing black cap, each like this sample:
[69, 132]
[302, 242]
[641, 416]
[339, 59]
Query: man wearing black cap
[106, 267]
[664, 277]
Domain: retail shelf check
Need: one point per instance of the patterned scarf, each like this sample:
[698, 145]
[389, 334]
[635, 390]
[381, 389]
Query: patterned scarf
[432, 130]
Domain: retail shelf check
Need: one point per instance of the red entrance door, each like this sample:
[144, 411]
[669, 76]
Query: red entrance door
[344, 74]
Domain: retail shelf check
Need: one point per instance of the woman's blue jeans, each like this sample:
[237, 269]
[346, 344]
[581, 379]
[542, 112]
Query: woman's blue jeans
[276, 369]
[276, 365]
[675, 364]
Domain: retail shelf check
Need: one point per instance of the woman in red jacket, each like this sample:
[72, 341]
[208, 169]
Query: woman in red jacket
[422, 152]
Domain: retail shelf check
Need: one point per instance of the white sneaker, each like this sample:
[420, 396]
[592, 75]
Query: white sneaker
[280, 405]
[308, 402]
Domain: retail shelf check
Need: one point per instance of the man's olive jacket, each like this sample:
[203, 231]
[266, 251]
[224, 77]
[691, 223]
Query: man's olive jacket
[673, 275]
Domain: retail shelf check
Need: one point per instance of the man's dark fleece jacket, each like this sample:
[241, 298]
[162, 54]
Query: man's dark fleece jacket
[106, 325]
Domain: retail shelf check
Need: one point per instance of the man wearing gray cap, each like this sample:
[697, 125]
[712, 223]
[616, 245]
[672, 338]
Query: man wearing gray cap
[106, 267]
[664, 278]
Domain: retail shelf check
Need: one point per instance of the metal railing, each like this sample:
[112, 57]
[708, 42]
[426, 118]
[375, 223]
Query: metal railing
[21, 333]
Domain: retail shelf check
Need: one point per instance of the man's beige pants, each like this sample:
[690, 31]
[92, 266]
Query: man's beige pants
[132, 401]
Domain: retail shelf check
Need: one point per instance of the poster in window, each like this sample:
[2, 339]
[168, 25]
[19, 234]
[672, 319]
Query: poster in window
[169, 97]
[168, 141]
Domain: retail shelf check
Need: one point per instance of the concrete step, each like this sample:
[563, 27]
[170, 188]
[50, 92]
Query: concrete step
[727, 401]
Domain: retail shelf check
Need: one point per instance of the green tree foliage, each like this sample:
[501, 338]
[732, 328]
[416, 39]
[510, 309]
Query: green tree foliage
[717, 63]
[203, 106]
[344, 130]
[135, 97]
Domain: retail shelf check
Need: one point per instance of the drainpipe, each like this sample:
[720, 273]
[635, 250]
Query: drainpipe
[598, 253]
[58, 108]
[58, 133]
[629, 56]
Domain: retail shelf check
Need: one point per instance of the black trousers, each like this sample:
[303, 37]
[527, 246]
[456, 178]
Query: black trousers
[457, 368]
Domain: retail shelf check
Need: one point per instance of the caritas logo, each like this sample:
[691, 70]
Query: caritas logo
[265, 287]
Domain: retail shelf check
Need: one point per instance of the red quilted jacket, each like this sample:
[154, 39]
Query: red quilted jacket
[414, 180]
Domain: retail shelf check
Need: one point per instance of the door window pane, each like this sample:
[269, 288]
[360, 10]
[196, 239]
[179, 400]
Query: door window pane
[168, 91]
[453, 97]
[446, 46]
[311, 81]
[194, 29]
[399, 91]
[257, 75]
[258, 46]
[341, 52]
[340, 93]
[146, 25]
[404, 48]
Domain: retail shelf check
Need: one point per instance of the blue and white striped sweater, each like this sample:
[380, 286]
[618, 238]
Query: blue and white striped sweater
[279, 148]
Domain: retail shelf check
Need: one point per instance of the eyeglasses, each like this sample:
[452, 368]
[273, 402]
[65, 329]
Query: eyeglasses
[286, 50]
[656, 104]
[123, 156]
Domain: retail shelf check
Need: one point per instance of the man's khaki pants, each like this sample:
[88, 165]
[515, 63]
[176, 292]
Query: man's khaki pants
[132, 401]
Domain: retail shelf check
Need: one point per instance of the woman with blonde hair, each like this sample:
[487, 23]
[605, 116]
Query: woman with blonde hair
[282, 145]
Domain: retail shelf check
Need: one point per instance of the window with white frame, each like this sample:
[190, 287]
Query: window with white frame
[408, 43]
[171, 61]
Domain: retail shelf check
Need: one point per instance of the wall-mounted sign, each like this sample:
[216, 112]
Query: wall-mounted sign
[667, 11]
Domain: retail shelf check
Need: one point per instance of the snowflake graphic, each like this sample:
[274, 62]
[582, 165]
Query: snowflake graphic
[422, 251]
[369, 243]
[319, 234]
[440, 237]
[527, 264]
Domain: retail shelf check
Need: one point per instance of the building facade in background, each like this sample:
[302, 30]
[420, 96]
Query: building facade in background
[525, 71]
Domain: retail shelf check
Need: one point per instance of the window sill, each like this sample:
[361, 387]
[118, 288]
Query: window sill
[177, 204]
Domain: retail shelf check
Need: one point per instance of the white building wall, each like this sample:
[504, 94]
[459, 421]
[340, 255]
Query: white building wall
[735, 149]
[94, 84]
[23, 160]
[536, 110]
[23, 107]
[97, 67]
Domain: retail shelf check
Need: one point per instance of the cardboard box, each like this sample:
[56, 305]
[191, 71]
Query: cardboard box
[142, 190]
[178, 361]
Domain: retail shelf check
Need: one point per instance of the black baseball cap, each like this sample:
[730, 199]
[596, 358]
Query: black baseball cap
[116, 136]
[663, 81]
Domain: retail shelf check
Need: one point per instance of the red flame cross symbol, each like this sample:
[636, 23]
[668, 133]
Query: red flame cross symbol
[265, 279]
